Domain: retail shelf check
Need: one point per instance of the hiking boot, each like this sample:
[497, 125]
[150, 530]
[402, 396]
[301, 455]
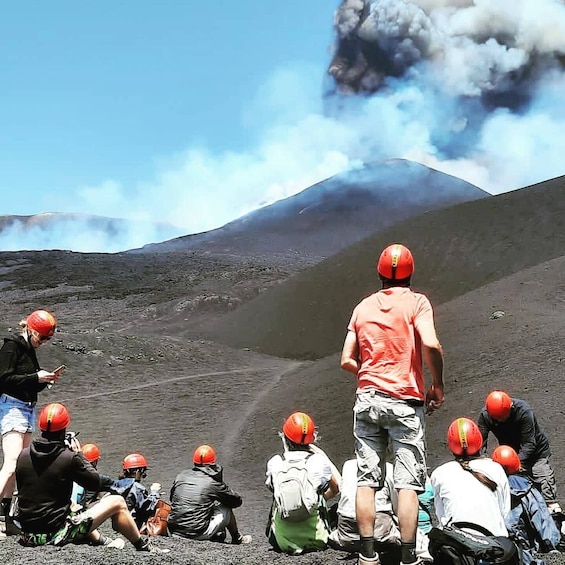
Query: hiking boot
[150, 548]
[242, 540]
[368, 560]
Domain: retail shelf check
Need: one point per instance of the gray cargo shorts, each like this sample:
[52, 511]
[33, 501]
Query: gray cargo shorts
[380, 421]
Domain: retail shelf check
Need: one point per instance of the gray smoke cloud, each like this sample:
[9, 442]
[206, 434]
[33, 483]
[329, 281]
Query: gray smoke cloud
[495, 50]
[468, 74]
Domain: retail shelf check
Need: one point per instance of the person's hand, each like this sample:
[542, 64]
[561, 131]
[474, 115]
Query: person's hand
[155, 488]
[434, 399]
[47, 376]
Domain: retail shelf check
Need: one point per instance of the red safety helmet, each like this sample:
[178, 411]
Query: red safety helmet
[134, 461]
[464, 437]
[43, 322]
[396, 262]
[508, 458]
[204, 455]
[91, 452]
[54, 418]
[299, 428]
[498, 405]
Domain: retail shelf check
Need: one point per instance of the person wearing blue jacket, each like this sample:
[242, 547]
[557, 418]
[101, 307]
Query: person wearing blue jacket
[529, 522]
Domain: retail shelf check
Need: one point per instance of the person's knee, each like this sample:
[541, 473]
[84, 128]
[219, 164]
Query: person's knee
[120, 504]
[114, 503]
[9, 466]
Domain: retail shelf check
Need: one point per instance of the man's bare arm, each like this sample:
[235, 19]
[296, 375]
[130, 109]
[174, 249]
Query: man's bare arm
[433, 357]
[350, 354]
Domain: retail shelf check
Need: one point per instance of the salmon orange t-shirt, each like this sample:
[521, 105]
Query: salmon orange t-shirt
[386, 325]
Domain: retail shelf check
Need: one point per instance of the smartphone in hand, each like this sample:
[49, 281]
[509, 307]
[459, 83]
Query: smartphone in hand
[59, 370]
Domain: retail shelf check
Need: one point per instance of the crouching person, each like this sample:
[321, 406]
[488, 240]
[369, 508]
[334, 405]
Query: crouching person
[301, 479]
[45, 472]
[386, 533]
[202, 503]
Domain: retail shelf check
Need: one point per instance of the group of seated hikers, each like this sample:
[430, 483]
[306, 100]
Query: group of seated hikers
[508, 499]
[509, 496]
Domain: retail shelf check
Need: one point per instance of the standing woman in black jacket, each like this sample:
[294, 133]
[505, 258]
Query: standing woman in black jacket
[21, 378]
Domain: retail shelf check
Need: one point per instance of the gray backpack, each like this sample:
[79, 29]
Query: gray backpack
[296, 498]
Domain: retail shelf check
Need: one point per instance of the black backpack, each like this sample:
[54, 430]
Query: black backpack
[453, 545]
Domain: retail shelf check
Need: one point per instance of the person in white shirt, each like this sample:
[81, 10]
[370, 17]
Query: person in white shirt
[471, 488]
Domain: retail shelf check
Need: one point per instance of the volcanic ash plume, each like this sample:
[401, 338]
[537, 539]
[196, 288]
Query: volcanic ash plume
[480, 81]
[493, 49]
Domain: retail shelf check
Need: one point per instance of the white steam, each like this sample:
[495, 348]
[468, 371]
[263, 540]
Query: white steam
[442, 101]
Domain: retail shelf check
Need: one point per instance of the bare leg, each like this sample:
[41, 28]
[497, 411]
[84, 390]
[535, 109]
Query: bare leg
[12, 445]
[365, 510]
[407, 514]
[114, 506]
[408, 523]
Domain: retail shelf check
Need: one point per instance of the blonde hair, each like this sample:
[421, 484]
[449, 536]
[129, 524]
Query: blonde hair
[23, 326]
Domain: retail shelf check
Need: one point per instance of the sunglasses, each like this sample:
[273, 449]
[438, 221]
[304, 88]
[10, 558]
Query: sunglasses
[42, 338]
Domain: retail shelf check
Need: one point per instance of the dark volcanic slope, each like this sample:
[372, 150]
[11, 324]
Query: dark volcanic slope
[456, 250]
[520, 352]
[335, 213]
[141, 376]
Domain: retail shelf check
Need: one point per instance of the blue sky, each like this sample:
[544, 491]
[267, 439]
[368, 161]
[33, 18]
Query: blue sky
[194, 113]
[102, 92]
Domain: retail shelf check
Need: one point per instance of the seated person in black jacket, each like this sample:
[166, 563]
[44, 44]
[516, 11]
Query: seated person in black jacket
[45, 473]
[202, 504]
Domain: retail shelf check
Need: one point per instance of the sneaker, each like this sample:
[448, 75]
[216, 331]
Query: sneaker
[368, 560]
[149, 547]
[242, 540]
[117, 543]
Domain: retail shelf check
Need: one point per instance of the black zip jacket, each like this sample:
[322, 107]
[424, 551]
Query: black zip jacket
[45, 473]
[194, 495]
[18, 370]
[520, 431]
